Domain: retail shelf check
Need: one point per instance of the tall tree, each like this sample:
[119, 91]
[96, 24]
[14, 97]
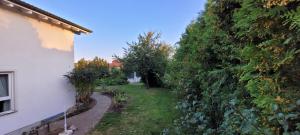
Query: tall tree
[148, 56]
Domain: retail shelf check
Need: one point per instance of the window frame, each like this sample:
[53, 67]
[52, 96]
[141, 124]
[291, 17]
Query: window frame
[10, 96]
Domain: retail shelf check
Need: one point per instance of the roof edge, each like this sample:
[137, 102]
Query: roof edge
[30, 9]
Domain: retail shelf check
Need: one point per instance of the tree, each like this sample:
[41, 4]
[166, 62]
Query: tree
[237, 68]
[148, 56]
[100, 66]
[81, 64]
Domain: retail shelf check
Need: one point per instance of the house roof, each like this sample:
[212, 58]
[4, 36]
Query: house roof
[43, 15]
[115, 63]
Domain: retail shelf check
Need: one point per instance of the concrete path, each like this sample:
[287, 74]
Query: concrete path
[86, 121]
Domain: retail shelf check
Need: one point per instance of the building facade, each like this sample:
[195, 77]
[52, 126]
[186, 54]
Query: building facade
[36, 50]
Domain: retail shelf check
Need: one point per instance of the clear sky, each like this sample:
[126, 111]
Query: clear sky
[116, 22]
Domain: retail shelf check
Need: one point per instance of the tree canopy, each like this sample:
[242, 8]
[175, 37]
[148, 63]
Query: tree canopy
[99, 65]
[148, 56]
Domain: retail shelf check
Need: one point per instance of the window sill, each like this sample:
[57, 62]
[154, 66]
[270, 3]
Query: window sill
[7, 113]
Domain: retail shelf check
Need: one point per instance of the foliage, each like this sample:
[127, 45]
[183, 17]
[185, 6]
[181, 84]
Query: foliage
[100, 66]
[115, 77]
[84, 82]
[119, 98]
[237, 69]
[147, 112]
[148, 56]
[84, 77]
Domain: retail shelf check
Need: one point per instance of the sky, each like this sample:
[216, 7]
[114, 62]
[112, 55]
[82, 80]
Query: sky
[116, 22]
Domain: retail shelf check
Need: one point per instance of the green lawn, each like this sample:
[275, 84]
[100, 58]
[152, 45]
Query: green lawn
[148, 112]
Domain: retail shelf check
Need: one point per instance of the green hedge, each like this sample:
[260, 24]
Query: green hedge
[115, 77]
[237, 68]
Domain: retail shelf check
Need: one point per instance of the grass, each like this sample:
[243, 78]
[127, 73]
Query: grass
[148, 112]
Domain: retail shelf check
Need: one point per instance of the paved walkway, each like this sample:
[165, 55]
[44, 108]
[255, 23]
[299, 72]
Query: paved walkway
[87, 121]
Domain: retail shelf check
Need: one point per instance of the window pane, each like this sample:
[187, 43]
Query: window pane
[4, 106]
[3, 85]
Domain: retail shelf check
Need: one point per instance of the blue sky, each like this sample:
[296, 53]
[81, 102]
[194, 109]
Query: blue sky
[116, 22]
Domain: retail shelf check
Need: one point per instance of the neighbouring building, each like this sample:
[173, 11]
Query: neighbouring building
[115, 64]
[36, 50]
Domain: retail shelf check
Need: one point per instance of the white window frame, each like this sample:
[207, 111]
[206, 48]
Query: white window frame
[10, 96]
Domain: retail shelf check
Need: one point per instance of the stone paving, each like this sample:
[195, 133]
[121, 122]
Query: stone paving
[86, 121]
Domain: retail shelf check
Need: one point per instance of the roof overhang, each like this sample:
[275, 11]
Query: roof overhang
[43, 15]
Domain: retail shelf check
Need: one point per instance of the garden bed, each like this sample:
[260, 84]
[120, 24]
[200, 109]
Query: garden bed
[119, 99]
[82, 108]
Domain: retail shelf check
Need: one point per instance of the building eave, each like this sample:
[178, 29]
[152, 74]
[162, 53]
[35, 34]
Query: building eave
[46, 16]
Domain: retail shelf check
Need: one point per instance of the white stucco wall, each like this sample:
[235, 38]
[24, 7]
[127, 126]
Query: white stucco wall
[39, 54]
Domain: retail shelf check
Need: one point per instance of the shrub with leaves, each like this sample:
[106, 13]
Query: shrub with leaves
[237, 68]
[84, 83]
[100, 66]
[84, 77]
[115, 77]
[119, 99]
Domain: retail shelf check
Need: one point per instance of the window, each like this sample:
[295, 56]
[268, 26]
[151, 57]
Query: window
[6, 92]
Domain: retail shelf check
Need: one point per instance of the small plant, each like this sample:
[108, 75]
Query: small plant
[119, 99]
[109, 92]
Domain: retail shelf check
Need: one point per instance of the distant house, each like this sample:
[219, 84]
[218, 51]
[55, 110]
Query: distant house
[115, 64]
[36, 50]
[132, 78]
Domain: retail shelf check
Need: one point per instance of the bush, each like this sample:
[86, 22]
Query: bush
[84, 82]
[84, 77]
[119, 99]
[119, 80]
[237, 66]
[98, 65]
[115, 77]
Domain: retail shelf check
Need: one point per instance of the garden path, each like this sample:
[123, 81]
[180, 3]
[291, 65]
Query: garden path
[86, 121]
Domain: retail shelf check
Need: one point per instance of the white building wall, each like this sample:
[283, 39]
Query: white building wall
[39, 54]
